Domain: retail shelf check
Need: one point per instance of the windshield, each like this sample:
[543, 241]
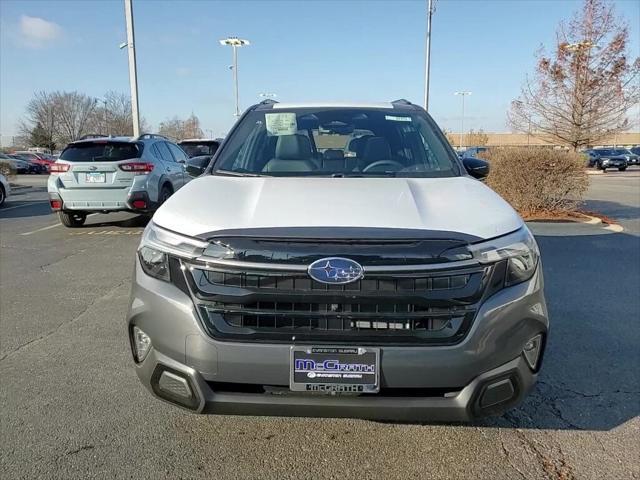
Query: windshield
[337, 142]
[101, 151]
[197, 149]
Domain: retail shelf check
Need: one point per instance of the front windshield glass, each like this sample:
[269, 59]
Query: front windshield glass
[337, 142]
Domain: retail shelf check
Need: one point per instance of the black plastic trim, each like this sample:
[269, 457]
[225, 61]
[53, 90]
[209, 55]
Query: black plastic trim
[337, 233]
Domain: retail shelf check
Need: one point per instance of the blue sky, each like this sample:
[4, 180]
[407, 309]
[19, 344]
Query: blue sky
[301, 50]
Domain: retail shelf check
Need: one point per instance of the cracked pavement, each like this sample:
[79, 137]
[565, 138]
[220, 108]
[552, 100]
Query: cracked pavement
[72, 406]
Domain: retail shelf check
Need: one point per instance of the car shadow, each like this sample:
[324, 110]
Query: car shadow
[16, 208]
[135, 221]
[612, 209]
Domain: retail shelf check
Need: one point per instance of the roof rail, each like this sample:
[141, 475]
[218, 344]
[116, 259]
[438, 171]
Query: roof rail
[92, 135]
[142, 136]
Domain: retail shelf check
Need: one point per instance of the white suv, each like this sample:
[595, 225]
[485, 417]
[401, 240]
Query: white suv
[338, 260]
[107, 174]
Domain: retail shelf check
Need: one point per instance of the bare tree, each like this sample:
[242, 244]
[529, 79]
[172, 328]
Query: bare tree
[477, 138]
[73, 114]
[585, 90]
[179, 129]
[41, 114]
[113, 115]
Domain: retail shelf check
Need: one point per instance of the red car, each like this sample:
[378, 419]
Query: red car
[39, 158]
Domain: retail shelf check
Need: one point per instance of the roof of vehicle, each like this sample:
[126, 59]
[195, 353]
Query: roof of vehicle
[120, 138]
[198, 140]
[278, 106]
[400, 104]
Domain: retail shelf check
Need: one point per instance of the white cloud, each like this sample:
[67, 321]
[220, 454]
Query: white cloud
[36, 32]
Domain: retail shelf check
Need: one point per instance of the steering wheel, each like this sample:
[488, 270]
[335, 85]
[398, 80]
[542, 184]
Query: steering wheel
[379, 163]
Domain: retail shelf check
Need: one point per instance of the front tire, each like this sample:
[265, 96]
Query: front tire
[622, 169]
[72, 219]
[3, 195]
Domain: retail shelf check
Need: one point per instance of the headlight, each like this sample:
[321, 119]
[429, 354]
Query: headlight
[156, 246]
[518, 248]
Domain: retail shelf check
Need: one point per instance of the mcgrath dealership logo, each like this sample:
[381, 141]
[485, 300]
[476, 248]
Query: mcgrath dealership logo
[335, 270]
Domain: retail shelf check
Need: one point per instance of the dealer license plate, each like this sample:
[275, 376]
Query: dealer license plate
[335, 369]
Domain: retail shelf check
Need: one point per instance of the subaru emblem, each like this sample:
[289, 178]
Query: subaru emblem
[335, 270]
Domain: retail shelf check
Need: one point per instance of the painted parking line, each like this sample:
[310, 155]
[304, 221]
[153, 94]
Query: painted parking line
[22, 205]
[40, 229]
[106, 232]
[50, 227]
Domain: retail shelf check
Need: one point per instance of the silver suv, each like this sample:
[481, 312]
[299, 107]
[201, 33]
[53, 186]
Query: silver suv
[108, 174]
[317, 269]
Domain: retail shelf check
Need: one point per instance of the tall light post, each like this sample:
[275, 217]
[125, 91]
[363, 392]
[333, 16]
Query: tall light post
[133, 73]
[431, 8]
[235, 43]
[462, 94]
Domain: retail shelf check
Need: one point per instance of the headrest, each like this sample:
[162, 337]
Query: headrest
[376, 148]
[333, 154]
[293, 147]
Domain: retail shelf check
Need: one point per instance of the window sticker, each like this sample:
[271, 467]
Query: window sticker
[281, 123]
[393, 118]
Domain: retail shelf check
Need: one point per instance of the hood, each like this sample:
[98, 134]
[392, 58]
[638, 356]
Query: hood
[458, 204]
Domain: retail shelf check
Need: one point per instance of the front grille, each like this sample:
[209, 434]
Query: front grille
[303, 283]
[246, 304]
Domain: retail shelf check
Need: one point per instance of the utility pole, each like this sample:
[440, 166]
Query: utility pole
[431, 8]
[235, 43]
[133, 74]
[462, 94]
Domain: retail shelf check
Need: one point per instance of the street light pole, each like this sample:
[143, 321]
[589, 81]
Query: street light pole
[133, 74]
[427, 67]
[235, 43]
[462, 94]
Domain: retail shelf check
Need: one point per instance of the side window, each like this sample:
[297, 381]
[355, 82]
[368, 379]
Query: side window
[165, 154]
[178, 153]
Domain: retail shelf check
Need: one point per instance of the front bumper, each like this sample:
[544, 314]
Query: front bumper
[441, 383]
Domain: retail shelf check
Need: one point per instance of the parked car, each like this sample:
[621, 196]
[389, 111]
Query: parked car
[115, 174]
[197, 147]
[33, 157]
[631, 157]
[635, 150]
[609, 158]
[290, 279]
[5, 189]
[474, 152]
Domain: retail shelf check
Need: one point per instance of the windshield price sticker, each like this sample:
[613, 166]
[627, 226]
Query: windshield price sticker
[281, 124]
[394, 118]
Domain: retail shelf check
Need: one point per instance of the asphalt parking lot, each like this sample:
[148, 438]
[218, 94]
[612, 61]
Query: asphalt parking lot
[72, 406]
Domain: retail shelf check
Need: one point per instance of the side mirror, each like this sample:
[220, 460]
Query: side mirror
[197, 165]
[476, 167]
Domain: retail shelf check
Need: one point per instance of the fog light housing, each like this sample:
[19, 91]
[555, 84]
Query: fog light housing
[141, 344]
[532, 350]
